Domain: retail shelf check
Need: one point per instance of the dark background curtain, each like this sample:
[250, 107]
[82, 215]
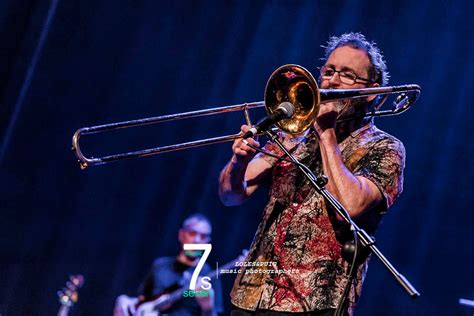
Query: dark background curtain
[67, 64]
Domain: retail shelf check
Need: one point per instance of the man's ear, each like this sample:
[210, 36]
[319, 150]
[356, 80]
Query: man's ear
[372, 97]
[180, 235]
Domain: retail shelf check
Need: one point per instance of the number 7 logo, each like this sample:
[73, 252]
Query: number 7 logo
[207, 250]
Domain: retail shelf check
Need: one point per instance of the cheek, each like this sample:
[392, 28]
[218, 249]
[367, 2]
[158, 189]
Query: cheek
[184, 238]
[324, 84]
[187, 239]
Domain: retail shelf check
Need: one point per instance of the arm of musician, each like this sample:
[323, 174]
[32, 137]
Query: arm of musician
[145, 290]
[241, 177]
[237, 182]
[356, 193]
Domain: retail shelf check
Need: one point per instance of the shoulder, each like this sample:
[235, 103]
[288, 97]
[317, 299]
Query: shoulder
[381, 139]
[163, 262]
[206, 268]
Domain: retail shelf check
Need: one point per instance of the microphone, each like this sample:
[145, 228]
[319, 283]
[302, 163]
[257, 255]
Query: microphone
[283, 111]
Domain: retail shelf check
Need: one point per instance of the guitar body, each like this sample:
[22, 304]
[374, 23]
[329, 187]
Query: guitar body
[153, 308]
[147, 309]
[131, 306]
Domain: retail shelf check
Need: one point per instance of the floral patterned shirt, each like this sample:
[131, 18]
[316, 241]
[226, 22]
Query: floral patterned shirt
[296, 251]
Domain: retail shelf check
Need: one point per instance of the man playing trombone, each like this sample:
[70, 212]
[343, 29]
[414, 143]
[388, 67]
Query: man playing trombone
[300, 235]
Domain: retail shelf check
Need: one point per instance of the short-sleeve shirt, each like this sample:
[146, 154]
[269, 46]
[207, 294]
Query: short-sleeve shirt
[167, 272]
[299, 234]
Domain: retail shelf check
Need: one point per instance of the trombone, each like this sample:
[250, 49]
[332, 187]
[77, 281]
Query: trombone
[289, 83]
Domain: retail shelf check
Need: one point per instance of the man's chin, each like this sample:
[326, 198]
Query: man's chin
[355, 109]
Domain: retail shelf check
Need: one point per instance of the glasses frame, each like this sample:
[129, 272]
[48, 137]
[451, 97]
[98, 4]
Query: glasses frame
[342, 78]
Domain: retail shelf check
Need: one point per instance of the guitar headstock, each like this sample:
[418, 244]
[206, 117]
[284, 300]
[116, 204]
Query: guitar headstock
[68, 296]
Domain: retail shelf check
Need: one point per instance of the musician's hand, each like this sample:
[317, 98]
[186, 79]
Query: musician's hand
[243, 153]
[327, 116]
[205, 302]
[163, 303]
[124, 305]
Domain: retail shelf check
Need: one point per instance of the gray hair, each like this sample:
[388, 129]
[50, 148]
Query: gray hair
[378, 71]
[195, 217]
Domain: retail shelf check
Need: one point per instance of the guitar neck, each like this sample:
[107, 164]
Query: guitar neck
[63, 310]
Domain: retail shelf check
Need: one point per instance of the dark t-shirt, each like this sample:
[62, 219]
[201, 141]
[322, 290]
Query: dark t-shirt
[168, 272]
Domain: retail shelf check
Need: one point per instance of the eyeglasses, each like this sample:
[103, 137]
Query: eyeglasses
[346, 76]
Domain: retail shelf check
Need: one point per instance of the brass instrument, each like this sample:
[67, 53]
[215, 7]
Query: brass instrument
[288, 83]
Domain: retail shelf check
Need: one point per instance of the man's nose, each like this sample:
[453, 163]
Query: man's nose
[335, 80]
[198, 239]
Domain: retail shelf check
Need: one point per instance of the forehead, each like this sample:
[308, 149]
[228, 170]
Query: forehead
[349, 57]
[198, 226]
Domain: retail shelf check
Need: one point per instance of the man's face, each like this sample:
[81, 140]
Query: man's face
[350, 59]
[195, 232]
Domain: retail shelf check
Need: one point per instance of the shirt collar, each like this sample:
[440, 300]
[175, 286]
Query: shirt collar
[362, 129]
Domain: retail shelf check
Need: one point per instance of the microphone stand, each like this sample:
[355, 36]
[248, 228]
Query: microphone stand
[367, 241]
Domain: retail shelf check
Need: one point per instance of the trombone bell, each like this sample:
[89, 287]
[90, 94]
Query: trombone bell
[294, 84]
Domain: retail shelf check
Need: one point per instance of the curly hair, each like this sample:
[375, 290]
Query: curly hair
[378, 71]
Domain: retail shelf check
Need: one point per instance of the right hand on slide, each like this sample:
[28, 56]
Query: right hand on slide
[243, 153]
